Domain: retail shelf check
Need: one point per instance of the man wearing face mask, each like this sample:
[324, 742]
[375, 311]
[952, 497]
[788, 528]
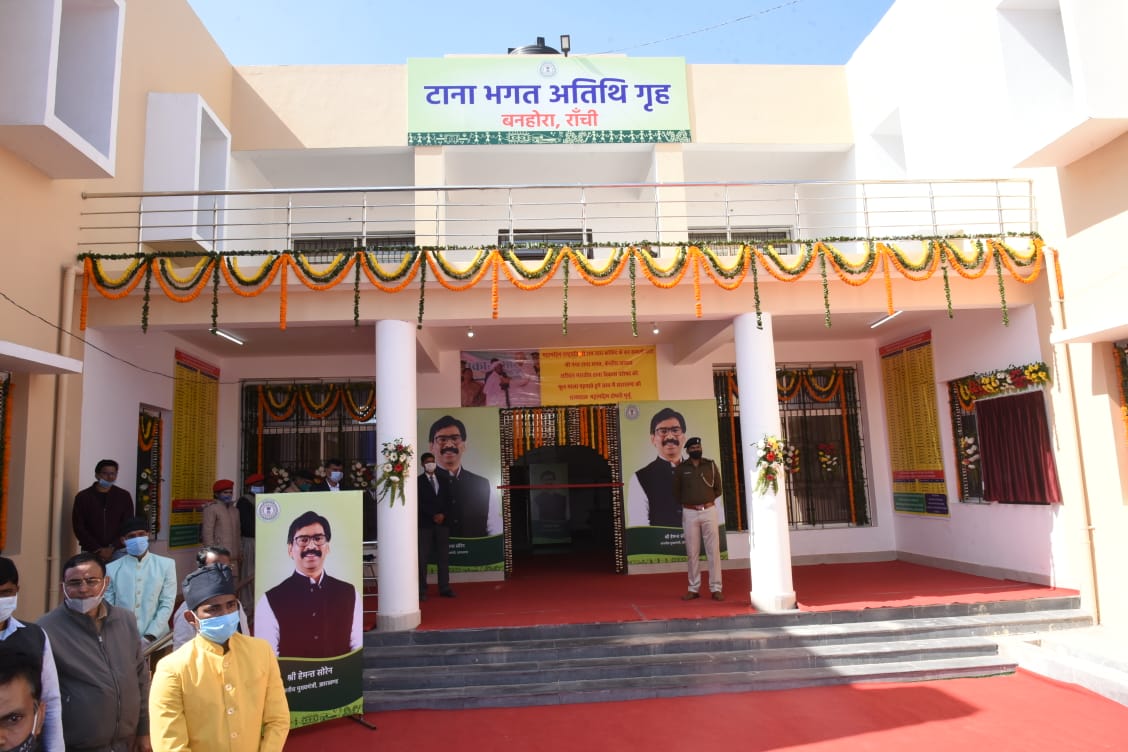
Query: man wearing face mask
[182, 630]
[436, 514]
[334, 477]
[21, 705]
[99, 511]
[103, 677]
[697, 484]
[310, 614]
[221, 524]
[222, 689]
[30, 639]
[142, 582]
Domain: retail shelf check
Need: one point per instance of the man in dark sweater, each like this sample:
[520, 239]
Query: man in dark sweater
[99, 512]
[310, 614]
[103, 678]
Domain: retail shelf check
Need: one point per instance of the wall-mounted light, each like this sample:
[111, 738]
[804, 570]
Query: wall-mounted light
[565, 44]
[229, 337]
[470, 332]
[655, 329]
[886, 319]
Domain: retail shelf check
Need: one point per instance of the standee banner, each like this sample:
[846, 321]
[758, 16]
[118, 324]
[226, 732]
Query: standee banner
[465, 444]
[653, 441]
[308, 595]
[546, 99]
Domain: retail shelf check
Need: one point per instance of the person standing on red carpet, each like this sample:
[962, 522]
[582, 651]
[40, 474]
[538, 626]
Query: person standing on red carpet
[697, 484]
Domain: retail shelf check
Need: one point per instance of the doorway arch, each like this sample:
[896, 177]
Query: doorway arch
[586, 437]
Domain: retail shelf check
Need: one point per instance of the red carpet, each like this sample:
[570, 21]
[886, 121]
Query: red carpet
[567, 590]
[1019, 713]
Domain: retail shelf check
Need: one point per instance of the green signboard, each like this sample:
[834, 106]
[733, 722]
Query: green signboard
[546, 99]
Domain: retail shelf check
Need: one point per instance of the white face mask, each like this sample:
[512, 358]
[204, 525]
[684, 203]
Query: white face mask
[336, 476]
[7, 607]
[429, 467]
[84, 605]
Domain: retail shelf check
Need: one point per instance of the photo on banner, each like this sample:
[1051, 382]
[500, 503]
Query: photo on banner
[316, 631]
[653, 443]
[465, 444]
[501, 378]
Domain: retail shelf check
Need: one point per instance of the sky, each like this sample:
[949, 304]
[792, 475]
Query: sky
[302, 32]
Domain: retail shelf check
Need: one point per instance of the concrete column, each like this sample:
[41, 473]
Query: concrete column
[398, 551]
[770, 539]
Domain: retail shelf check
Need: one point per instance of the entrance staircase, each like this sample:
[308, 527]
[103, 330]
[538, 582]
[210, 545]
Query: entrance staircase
[573, 663]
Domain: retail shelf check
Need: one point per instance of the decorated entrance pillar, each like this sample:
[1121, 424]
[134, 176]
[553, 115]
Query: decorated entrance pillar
[769, 536]
[398, 551]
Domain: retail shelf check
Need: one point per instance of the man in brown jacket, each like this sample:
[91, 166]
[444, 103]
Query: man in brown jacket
[221, 522]
[697, 484]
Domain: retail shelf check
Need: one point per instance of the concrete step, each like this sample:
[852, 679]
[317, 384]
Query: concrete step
[677, 685]
[663, 664]
[515, 666]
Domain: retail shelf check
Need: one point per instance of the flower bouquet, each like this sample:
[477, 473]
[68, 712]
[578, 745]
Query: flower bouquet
[394, 470]
[774, 456]
[279, 479]
[362, 475]
[969, 452]
[828, 457]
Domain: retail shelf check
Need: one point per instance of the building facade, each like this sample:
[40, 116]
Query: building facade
[352, 232]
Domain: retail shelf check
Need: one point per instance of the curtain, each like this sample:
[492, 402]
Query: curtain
[1014, 439]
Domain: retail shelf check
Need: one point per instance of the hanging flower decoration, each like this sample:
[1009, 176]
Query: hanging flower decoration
[774, 457]
[362, 476]
[279, 479]
[393, 471]
[828, 457]
[969, 452]
[986, 253]
[994, 383]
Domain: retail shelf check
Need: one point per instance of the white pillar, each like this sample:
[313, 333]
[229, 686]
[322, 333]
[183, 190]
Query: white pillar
[770, 539]
[398, 551]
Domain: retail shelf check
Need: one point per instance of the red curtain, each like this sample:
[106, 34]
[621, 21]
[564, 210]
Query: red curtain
[1014, 439]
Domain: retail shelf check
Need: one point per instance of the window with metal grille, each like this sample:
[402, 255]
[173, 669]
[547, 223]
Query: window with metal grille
[530, 245]
[728, 241]
[321, 249]
[821, 415]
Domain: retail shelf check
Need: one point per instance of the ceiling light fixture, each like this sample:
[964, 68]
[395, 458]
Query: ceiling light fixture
[229, 337]
[470, 332]
[886, 319]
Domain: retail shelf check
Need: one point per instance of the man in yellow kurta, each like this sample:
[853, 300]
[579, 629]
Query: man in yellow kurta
[221, 690]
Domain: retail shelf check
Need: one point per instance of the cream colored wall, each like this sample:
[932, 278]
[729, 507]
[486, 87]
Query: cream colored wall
[770, 105]
[320, 106]
[1094, 215]
[166, 48]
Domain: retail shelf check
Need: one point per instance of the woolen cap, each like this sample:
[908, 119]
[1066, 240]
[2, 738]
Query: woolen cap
[207, 582]
[692, 440]
[132, 525]
[222, 485]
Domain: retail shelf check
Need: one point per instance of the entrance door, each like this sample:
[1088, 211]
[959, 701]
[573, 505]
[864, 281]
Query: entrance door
[560, 506]
[562, 487]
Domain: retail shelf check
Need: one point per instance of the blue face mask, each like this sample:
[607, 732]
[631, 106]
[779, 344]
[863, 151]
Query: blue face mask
[103, 483]
[136, 546]
[219, 629]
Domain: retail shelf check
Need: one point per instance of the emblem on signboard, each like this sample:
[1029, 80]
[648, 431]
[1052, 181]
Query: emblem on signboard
[632, 412]
[547, 69]
[267, 510]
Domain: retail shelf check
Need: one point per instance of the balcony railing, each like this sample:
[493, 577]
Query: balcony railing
[583, 216]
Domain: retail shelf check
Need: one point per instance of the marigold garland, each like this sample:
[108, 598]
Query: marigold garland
[634, 299]
[938, 253]
[285, 263]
